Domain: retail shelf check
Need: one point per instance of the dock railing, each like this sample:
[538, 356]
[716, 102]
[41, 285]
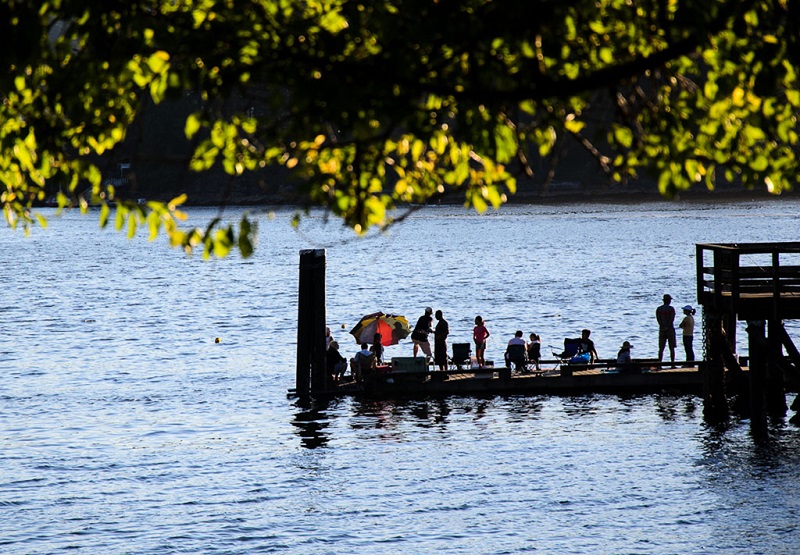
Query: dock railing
[731, 275]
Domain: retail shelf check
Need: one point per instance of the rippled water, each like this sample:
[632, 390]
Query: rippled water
[126, 429]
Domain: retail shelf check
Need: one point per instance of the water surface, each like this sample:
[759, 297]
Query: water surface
[126, 429]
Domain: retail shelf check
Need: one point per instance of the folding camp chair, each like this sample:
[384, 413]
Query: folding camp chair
[572, 347]
[517, 355]
[462, 355]
[362, 366]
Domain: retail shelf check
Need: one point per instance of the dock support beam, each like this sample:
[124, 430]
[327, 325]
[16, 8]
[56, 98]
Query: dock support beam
[311, 375]
[715, 403]
[775, 393]
[759, 355]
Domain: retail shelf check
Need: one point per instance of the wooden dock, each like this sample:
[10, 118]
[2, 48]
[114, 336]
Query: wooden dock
[560, 380]
[756, 282]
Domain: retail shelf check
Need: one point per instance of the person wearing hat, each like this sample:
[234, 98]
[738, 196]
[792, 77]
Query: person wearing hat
[624, 359]
[624, 354]
[665, 314]
[687, 325]
[420, 334]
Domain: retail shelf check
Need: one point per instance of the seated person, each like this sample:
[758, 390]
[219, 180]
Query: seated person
[363, 363]
[516, 352]
[624, 360]
[587, 346]
[535, 350]
[335, 363]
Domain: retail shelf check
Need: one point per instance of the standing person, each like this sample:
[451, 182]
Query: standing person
[420, 334]
[440, 341]
[687, 325]
[535, 350]
[586, 345]
[377, 348]
[328, 338]
[665, 314]
[480, 334]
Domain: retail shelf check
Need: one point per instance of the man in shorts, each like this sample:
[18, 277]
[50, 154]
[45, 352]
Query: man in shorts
[420, 334]
[665, 314]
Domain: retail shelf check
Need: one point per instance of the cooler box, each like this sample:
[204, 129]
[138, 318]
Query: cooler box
[409, 365]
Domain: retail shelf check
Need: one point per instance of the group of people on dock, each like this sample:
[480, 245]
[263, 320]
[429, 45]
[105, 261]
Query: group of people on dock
[424, 327]
[368, 357]
[480, 334]
[665, 316]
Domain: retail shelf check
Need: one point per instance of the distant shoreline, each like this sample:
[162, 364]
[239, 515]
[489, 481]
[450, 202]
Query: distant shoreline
[555, 198]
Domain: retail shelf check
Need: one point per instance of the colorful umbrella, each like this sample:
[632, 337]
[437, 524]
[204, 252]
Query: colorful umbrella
[392, 328]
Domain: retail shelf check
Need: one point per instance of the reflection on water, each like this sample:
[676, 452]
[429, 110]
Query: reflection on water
[311, 425]
[125, 428]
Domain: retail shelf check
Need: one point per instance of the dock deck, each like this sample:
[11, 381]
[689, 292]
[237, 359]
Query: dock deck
[502, 381]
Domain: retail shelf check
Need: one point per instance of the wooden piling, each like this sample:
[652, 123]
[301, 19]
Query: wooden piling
[776, 362]
[715, 403]
[311, 374]
[759, 353]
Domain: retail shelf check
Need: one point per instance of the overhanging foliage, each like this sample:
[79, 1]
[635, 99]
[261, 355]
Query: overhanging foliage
[373, 104]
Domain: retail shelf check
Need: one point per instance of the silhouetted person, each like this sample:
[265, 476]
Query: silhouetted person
[440, 341]
[687, 326]
[665, 314]
[587, 345]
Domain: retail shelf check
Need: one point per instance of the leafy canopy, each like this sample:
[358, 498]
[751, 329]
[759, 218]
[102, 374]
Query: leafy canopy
[374, 104]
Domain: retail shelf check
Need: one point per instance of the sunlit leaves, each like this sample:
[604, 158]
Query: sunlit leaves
[623, 136]
[192, 126]
[372, 106]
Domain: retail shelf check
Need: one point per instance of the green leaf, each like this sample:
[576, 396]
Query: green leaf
[574, 125]
[193, 124]
[623, 136]
[333, 22]
[759, 163]
[158, 62]
[506, 143]
[754, 134]
[710, 90]
[104, 213]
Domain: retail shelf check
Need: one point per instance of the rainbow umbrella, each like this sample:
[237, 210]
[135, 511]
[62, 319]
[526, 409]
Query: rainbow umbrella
[392, 328]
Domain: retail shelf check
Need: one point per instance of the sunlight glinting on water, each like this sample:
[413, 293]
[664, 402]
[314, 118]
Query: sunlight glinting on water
[127, 428]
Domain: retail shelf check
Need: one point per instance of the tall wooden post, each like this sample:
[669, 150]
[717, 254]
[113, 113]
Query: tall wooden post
[759, 354]
[775, 393]
[311, 375]
[729, 322]
[775, 396]
[715, 403]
